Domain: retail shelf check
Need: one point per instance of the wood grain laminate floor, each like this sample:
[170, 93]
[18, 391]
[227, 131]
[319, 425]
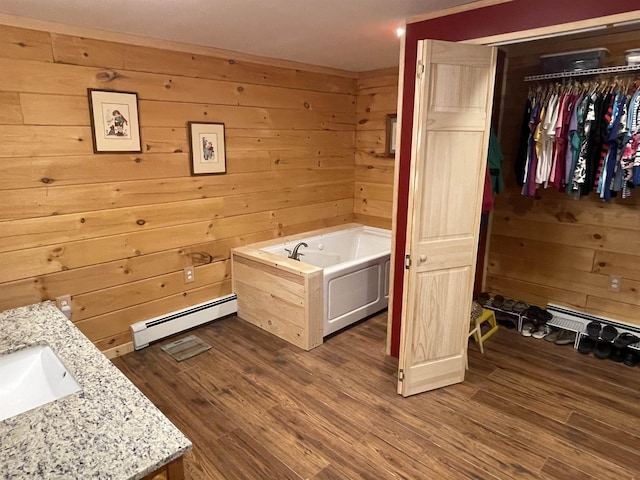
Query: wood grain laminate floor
[258, 408]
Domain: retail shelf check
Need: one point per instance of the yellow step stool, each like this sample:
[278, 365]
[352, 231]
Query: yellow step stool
[476, 330]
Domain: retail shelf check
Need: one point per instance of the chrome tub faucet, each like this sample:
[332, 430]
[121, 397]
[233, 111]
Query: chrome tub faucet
[294, 254]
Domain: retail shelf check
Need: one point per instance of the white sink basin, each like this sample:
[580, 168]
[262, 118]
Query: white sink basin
[32, 377]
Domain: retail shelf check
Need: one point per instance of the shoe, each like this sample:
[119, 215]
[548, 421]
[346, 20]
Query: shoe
[608, 333]
[586, 345]
[625, 339]
[508, 305]
[541, 332]
[527, 330]
[533, 313]
[617, 354]
[545, 316]
[553, 335]
[484, 298]
[520, 307]
[603, 350]
[507, 323]
[631, 358]
[593, 330]
[498, 300]
[566, 338]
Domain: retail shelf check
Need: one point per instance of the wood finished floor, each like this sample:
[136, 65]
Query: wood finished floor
[257, 408]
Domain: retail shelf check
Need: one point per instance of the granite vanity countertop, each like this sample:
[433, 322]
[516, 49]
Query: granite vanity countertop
[108, 430]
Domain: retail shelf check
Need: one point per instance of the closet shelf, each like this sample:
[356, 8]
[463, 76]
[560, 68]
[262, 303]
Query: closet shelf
[582, 73]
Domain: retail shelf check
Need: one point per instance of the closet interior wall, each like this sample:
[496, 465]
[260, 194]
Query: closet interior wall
[553, 248]
[115, 231]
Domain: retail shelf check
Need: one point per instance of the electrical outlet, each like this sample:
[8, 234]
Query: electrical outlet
[63, 301]
[189, 275]
[615, 282]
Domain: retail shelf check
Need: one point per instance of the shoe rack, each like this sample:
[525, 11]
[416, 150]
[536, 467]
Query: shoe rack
[520, 317]
[571, 320]
[574, 321]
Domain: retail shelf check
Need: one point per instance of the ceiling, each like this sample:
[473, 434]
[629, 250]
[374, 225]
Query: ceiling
[354, 35]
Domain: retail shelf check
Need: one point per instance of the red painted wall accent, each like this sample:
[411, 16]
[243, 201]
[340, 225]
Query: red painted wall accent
[509, 17]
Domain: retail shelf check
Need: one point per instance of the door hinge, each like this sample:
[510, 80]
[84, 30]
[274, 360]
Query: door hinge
[420, 69]
[401, 375]
[407, 261]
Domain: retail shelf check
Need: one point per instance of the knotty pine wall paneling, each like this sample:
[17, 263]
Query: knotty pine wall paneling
[553, 248]
[115, 231]
[377, 96]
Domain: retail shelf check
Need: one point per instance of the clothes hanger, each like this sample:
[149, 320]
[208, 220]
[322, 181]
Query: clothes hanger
[626, 86]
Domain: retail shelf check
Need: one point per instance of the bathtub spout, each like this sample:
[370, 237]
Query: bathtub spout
[295, 255]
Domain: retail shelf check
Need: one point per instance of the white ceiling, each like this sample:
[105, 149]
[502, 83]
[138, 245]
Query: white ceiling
[354, 35]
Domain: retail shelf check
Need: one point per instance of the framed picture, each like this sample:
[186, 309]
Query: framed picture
[114, 121]
[207, 148]
[390, 142]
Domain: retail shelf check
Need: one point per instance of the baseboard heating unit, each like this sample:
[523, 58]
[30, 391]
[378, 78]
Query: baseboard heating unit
[175, 322]
[576, 321]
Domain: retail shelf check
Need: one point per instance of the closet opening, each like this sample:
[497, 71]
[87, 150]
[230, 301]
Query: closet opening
[522, 261]
[578, 251]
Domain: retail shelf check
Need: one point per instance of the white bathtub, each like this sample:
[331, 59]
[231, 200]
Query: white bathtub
[355, 263]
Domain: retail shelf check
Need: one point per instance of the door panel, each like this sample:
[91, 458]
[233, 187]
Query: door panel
[450, 140]
[448, 253]
[451, 92]
[438, 339]
[445, 210]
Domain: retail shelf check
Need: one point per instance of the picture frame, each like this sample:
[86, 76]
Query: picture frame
[391, 133]
[115, 125]
[207, 147]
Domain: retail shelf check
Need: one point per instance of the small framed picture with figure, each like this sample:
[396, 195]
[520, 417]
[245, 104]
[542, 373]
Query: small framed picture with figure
[206, 142]
[114, 121]
[391, 135]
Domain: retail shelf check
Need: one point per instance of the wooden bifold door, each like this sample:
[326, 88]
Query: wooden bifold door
[452, 113]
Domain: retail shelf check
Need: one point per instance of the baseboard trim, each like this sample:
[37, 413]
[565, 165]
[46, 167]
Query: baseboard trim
[119, 350]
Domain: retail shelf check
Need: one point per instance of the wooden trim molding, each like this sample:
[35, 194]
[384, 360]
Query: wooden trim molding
[458, 9]
[378, 72]
[393, 339]
[560, 29]
[127, 38]
[119, 350]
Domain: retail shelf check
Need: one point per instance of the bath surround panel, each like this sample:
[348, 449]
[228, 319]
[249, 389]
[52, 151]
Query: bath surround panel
[342, 277]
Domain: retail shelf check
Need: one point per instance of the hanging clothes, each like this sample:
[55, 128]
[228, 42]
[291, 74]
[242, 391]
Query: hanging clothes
[494, 159]
[528, 181]
[616, 134]
[581, 138]
[487, 195]
[493, 177]
[523, 145]
[573, 141]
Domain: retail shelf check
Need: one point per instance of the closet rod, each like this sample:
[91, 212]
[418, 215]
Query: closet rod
[582, 73]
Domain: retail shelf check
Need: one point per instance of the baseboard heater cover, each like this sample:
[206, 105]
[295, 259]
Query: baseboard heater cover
[582, 319]
[160, 327]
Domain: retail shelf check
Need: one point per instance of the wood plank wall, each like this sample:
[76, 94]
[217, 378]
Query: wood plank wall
[115, 231]
[377, 97]
[553, 248]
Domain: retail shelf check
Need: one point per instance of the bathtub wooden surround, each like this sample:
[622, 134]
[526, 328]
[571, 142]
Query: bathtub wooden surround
[342, 278]
[279, 295]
